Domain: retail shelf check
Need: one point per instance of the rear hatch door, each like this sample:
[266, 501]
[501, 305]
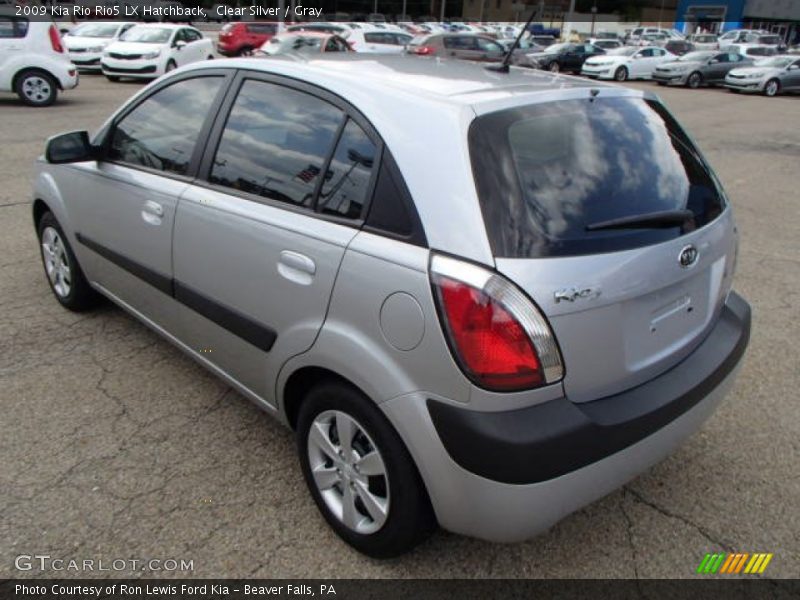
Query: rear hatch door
[605, 213]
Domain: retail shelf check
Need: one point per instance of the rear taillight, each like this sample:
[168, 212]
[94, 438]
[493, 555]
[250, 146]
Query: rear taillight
[424, 50]
[55, 39]
[497, 335]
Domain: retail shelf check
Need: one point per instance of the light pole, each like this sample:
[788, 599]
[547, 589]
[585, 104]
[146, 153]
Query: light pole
[594, 17]
[567, 25]
[660, 14]
[441, 16]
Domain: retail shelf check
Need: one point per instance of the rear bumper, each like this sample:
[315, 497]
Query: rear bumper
[505, 476]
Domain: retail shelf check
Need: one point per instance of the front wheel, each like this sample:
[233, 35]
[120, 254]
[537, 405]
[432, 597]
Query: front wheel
[772, 88]
[245, 51]
[360, 473]
[171, 66]
[63, 272]
[694, 81]
[555, 67]
[621, 74]
[112, 78]
[36, 88]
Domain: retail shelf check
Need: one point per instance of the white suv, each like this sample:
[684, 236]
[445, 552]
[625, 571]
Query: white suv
[32, 60]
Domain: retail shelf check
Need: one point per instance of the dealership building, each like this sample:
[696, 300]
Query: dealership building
[778, 16]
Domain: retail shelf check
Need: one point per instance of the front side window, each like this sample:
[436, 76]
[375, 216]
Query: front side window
[190, 35]
[275, 143]
[161, 132]
[548, 174]
[346, 182]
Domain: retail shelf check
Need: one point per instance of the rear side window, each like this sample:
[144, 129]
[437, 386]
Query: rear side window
[162, 131]
[13, 28]
[546, 172]
[275, 143]
[347, 179]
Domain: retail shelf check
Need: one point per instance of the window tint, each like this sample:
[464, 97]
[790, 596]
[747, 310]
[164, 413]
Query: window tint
[344, 191]
[545, 172]
[13, 28]
[161, 132]
[262, 28]
[191, 35]
[275, 143]
[378, 38]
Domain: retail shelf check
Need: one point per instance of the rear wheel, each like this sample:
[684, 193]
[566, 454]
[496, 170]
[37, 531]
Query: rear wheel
[621, 74]
[360, 473]
[36, 88]
[772, 88]
[63, 272]
[245, 51]
[695, 80]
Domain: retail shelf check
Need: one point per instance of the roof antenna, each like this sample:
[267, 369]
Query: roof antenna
[503, 66]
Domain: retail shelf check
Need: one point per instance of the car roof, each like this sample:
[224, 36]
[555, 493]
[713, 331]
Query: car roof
[442, 81]
[165, 25]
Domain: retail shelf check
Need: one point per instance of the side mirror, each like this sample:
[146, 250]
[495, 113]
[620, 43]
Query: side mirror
[180, 44]
[70, 147]
[713, 61]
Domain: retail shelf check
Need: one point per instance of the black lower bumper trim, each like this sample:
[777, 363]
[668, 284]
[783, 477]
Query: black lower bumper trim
[551, 439]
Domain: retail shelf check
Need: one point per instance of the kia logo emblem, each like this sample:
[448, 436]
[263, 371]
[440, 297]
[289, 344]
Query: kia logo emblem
[688, 256]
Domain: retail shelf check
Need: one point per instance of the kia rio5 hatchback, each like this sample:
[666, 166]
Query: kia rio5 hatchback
[481, 300]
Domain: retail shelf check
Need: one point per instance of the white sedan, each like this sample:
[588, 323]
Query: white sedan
[379, 41]
[86, 43]
[148, 51]
[626, 63]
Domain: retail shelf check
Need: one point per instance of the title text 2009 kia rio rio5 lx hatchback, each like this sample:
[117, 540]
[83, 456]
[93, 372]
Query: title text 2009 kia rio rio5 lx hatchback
[481, 300]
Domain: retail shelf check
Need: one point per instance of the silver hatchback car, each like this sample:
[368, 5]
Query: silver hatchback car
[481, 300]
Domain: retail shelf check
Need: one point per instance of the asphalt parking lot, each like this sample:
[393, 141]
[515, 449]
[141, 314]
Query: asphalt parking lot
[117, 446]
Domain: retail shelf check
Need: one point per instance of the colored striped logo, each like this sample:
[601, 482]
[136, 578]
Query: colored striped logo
[734, 563]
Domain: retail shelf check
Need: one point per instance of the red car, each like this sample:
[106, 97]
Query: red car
[242, 39]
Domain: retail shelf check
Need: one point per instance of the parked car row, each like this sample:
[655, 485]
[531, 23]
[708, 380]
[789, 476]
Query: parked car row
[146, 51]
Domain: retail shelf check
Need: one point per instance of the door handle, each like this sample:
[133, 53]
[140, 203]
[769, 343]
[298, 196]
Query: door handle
[296, 267]
[152, 212]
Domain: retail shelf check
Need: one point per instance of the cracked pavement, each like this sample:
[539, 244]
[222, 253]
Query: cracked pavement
[115, 445]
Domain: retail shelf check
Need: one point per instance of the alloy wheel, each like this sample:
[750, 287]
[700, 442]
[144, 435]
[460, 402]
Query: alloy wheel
[349, 471]
[771, 88]
[56, 262]
[36, 89]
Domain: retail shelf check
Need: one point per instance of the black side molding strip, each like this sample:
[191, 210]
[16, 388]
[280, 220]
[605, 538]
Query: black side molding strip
[260, 336]
[551, 439]
[161, 282]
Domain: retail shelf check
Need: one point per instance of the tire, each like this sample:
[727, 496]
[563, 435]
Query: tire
[245, 51]
[112, 78]
[395, 484]
[171, 66]
[36, 88]
[61, 268]
[661, 83]
[733, 91]
[210, 57]
[621, 74]
[772, 88]
[694, 81]
[554, 67]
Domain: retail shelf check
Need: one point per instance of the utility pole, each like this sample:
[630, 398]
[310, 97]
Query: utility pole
[660, 14]
[441, 16]
[567, 26]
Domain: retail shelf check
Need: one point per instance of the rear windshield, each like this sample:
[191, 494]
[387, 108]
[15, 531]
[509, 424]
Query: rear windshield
[546, 172]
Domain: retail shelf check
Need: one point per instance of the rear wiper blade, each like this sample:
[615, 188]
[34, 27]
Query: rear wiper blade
[654, 220]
